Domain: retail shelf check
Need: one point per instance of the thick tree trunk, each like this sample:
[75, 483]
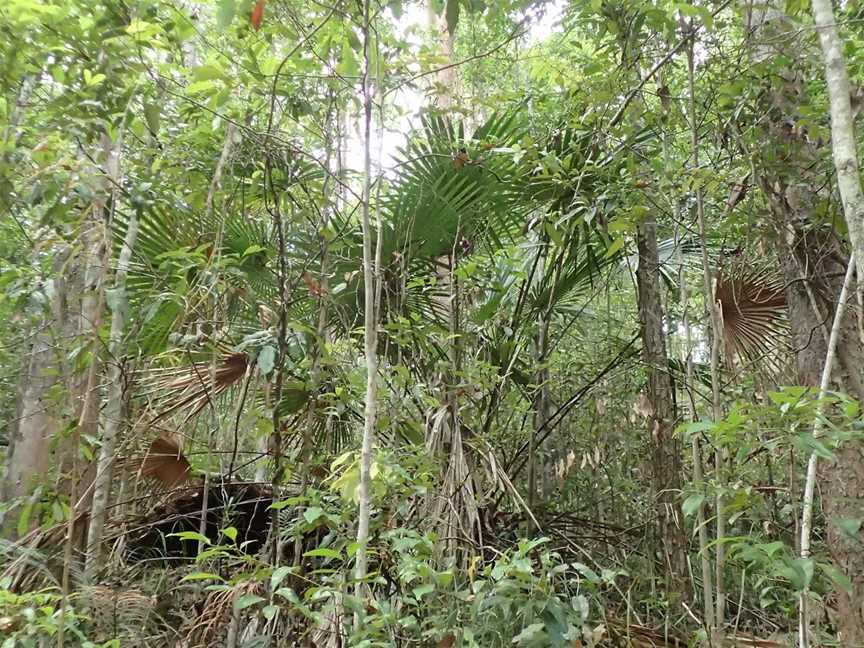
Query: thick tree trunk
[665, 450]
[38, 416]
[792, 177]
[843, 481]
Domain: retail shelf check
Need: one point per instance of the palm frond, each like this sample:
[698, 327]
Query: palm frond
[752, 304]
[191, 388]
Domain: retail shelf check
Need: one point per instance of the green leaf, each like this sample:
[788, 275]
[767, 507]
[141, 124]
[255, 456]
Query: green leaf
[279, 575]
[225, 13]
[199, 87]
[348, 65]
[288, 594]
[270, 612]
[840, 579]
[699, 426]
[799, 572]
[266, 360]
[24, 519]
[152, 115]
[201, 576]
[230, 533]
[207, 73]
[422, 590]
[532, 633]
[616, 245]
[451, 13]
[245, 601]
[691, 504]
[313, 513]
[191, 535]
[587, 572]
[850, 527]
[323, 552]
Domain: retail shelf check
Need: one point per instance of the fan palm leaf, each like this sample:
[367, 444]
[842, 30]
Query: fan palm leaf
[752, 304]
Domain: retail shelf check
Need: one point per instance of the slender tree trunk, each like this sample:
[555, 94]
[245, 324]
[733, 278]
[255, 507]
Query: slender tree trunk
[115, 399]
[716, 402]
[810, 482]
[842, 131]
[665, 452]
[370, 324]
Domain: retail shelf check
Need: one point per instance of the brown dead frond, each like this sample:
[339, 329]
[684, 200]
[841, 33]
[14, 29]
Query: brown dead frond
[165, 463]
[753, 307]
[191, 388]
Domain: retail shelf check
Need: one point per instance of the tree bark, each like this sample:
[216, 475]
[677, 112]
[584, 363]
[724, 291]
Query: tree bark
[844, 481]
[370, 324]
[39, 412]
[665, 450]
[114, 405]
[791, 175]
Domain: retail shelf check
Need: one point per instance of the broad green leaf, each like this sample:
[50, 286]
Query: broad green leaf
[152, 115]
[279, 575]
[313, 513]
[691, 505]
[246, 601]
[225, 12]
[201, 576]
[451, 14]
[348, 65]
[421, 590]
[323, 552]
[850, 527]
[616, 245]
[840, 579]
[532, 633]
[191, 535]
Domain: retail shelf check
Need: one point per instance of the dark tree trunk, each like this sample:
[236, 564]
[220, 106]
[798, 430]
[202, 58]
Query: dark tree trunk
[792, 172]
[665, 450]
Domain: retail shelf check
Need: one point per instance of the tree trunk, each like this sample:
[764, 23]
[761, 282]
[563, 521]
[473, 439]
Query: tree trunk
[665, 450]
[370, 324]
[814, 261]
[114, 405]
[843, 497]
[38, 416]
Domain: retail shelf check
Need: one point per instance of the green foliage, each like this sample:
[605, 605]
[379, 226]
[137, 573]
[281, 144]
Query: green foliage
[30, 619]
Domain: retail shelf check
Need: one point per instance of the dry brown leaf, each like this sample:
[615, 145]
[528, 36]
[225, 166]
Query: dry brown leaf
[257, 15]
[166, 463]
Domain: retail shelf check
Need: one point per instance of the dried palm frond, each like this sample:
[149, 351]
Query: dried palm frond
[752, 304]
[163, 462]
[127, 614]
[192, 388]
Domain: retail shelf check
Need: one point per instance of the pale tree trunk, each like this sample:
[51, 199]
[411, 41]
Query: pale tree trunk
[370, 324]
[447, 78]
[842, 131]
[810, 482]
[716, 402]
[38, 416]
[91, 268]
[114, 404]
[665, 452]
[53, 393]
[688, 387]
